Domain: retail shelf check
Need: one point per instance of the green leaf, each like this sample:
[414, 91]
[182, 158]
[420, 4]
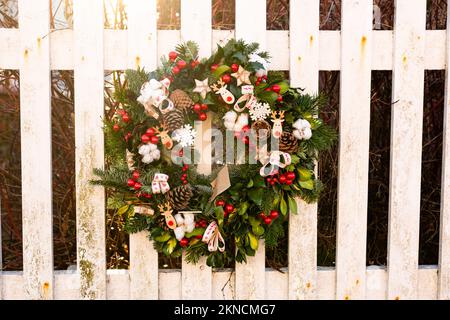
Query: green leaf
[284, 87]
[305, 174]
[258, 181]
[220, 70]
[268, 96]
[254, 222]
[123, 209]
[283, 206]
[308, 184]
[253, 241]
[292, 205]
[250, 183]
[195, 232]
[171, 244]
[163, 238]
[256, 195]
[243, 208]
[258, 230]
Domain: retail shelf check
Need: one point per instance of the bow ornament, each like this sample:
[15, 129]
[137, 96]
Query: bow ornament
[185, 223]
[213, 238]
[153, 95]
[273, 161]
[160, 184]
[248, 97]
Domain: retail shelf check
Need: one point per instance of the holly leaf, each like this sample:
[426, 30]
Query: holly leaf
[171, 244]
[253, 241]
[256, 195]
[284, 87]
[305, 174]
[239, 56]
[258, 230]
[123, 209]
[243, 208]
[163, 238]
[220, 70]
[258, 181]
[292, 205]
[195, 232]
[283, 206]
[308, 184]
[268, 96]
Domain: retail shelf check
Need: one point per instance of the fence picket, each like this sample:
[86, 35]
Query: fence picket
[444, 242]
[406, 148]
[196, 280]
[304, 73]
[250, 283]
[142, 41]
[90, 200]
[35, 124]
[356, 58]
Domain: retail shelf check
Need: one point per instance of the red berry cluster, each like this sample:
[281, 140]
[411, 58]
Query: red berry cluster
[199, 224]
[242, 135]
[227, 207]
[270, 217]
[180, 64]
[122, 115]
[184, 175]
[284, 178]
[150, 136]
[260, 79]
[200, 110]
[226, 78]
[275, 88]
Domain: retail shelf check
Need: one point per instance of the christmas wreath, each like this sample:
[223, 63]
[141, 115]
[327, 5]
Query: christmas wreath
[150, 139]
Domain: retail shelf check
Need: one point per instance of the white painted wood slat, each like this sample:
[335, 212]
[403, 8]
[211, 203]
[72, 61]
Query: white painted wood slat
[61, 46]
[89, 144]
[406, 148]
[142, 52]
[444, 243]
[35, 125]
[356, 42]
[251, 26]
[196, 280]
[304, 73]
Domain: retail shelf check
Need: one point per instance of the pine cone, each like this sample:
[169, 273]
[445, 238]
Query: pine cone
[179, 197]
[181, 100]
[288, 142]
[173, 120]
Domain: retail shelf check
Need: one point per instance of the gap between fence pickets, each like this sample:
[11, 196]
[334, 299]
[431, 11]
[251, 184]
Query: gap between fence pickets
[223, 284]
[61, 47]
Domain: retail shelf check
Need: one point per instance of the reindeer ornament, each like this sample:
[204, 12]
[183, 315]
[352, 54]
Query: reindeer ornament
[163, 134]
[166, 210]
[277, 128]
[221, 88]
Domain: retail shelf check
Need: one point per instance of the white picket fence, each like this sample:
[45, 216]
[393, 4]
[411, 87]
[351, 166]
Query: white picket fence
[355, 50]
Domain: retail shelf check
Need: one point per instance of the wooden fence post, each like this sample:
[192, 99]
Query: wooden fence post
[35, 125]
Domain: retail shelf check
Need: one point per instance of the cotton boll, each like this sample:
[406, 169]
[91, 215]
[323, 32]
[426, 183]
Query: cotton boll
[229, 125]
[230, 116]
[241, 122]
[152, 147]
[156, 154]
[179, 233]
[147, 158]
[189, 227]
[307, 133]
[144, 149]
[179, 219]
[188, 218]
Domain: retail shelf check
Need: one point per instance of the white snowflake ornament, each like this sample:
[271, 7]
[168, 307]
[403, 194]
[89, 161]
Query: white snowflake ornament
[259, 111]
[185, 136]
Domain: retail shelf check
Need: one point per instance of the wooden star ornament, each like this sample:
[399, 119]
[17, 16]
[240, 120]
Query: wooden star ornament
[202, 87]
[242, 76]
